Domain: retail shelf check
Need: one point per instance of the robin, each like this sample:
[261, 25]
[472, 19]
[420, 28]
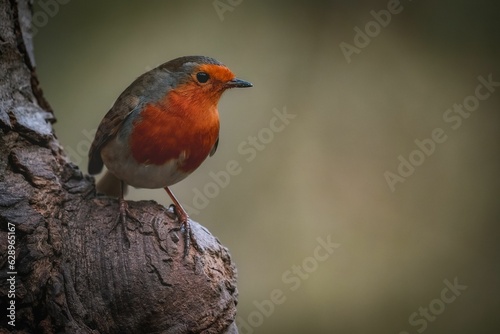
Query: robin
[161, 128]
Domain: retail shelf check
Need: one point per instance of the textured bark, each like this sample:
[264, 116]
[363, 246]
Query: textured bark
[74, 274]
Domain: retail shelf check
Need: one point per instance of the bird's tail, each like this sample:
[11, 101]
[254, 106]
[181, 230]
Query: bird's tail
[110, 185]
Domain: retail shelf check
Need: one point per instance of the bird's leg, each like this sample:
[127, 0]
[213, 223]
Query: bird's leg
[122, 217]
[184, 222]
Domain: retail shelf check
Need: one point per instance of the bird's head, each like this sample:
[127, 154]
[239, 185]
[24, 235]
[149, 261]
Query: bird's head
[200, 81]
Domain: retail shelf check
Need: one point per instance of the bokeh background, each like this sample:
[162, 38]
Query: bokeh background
[322, 176]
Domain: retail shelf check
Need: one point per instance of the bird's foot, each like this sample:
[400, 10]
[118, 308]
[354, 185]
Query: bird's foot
[184, 228]
[122, 219]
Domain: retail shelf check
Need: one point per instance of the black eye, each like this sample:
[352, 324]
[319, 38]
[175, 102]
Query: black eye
[202, 77]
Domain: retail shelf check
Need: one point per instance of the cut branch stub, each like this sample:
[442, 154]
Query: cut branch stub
[147, 286]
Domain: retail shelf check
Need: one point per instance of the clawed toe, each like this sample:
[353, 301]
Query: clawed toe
[122, 219]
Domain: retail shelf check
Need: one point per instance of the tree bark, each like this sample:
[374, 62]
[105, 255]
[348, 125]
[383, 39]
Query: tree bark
[72, 272]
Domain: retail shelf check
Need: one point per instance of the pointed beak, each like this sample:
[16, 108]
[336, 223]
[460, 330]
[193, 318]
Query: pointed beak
[238, 83]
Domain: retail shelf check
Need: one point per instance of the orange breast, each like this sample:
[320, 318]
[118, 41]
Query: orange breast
[175, 129]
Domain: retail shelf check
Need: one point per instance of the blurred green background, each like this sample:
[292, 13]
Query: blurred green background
[323, 175]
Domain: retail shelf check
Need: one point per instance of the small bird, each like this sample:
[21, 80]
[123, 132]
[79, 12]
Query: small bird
[161, 128]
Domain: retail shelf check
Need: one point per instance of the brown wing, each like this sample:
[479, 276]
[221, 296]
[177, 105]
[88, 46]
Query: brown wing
[109, 127]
